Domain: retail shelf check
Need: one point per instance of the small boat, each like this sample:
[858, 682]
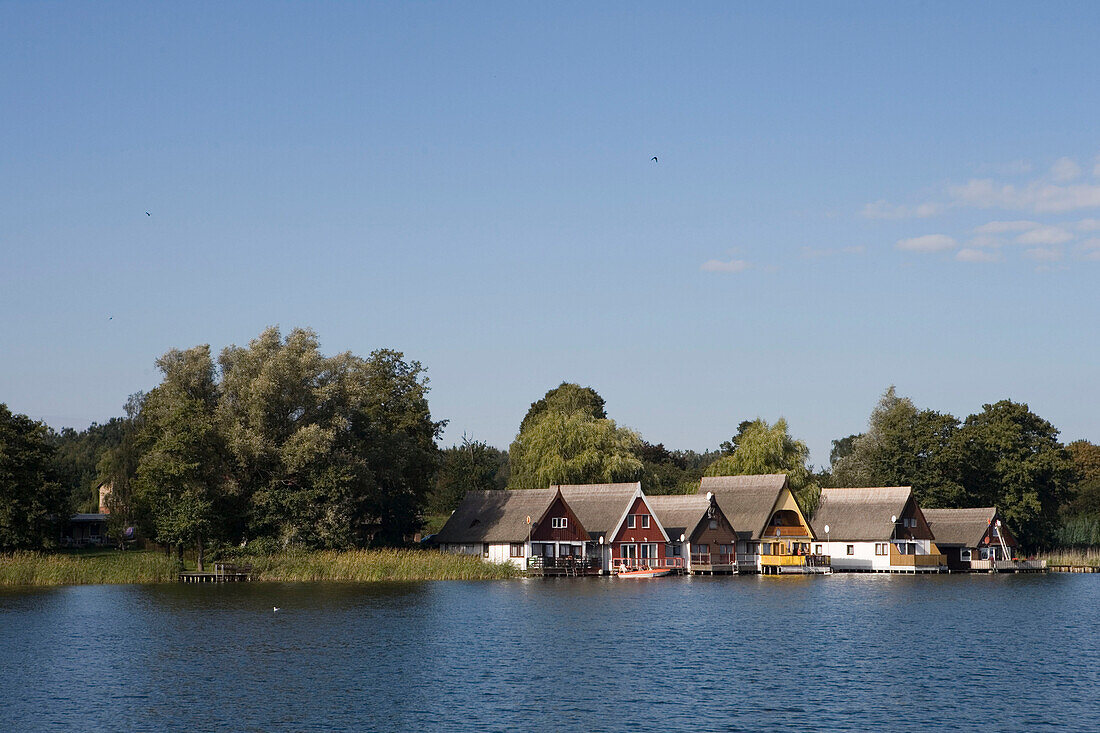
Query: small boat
[645, 573]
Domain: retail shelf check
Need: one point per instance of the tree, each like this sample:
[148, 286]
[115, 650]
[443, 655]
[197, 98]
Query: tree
[1086, 492]
[471, 466]
[326, 451]
[760, 448]
[31, 497]
[1012, 459]
[842, 448]
[905, 446]
[566, 398]
[181, 475]
[118, 466]
[77, 455]
[570, 448]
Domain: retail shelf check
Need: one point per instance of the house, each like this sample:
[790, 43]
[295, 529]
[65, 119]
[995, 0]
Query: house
[975, 539]
[875, 530]
[773, 535]
[699, 532]
[84, 530]
[622, 527]
[515, 526]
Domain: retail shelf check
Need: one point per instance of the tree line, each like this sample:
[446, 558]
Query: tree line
[274, 445]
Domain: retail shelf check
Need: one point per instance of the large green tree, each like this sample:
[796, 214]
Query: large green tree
[905, 446]
[1086, 492]
[571, 448]
[1011, 458]
[181, 476]
[760, 448]
[329, 451]
[568, 398]
[32, 500]
[471, 466]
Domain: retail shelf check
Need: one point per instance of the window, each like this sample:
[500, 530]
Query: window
[485, 549]
[817, 549]
[630, 521]
[676, 550]
[516, 550]
[559, 522]
[725, 549]
[851, 549]
[645, 521]
[700, 549]
[964, 555]
[985, 553]
[714, 524]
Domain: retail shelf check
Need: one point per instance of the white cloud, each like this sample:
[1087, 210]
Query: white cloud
[1000, 227]
[1037, 196]
[1064, 169]
[885, 210]
[1088, 225]
[719, 266]
[1044, 254]
[927, 243]
[1045, 235]
[976, 255]
[1090, 249]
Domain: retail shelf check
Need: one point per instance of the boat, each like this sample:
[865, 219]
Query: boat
[644, 572]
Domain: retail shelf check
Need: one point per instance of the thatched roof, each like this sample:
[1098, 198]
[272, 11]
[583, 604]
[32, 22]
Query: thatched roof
[860, 514]
[959, 527]
[747, 501]
[598, 507]
[496, 516]
[679, 514]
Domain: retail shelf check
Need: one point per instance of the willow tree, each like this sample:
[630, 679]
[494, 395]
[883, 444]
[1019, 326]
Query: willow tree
[573, 448]
[760, 448]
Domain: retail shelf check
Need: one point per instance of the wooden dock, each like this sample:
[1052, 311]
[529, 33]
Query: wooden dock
[1073, 568]
[224, 572]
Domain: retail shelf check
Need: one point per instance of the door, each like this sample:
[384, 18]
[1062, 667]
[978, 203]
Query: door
[629, 554]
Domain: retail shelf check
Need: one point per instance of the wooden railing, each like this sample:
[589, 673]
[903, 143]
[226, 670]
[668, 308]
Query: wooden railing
[707, 558]
[918, 561]
[567, 562]
[783, 560]
[647, 563]
[797, 531]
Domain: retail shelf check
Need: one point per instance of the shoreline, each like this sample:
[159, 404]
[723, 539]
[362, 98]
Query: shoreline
[147, 567]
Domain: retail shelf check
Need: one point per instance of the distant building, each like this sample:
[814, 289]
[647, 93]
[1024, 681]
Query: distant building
[773, 535]
[972, 539]
[698, 531]
[85, 530]
[875, 529]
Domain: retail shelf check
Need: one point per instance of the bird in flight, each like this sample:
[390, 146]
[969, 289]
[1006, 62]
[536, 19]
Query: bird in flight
[654, 159]
[147, 213]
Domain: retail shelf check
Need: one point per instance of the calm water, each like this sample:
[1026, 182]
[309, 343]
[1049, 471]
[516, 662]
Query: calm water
[855, 652]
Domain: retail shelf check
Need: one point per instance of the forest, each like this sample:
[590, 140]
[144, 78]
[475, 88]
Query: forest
[274, 445]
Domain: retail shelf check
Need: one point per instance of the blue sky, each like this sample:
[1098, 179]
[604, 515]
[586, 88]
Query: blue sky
[847, 196]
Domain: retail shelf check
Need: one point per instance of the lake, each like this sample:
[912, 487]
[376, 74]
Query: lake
[847, 652]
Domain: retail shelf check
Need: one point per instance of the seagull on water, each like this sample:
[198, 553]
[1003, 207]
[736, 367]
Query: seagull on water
[275, 609]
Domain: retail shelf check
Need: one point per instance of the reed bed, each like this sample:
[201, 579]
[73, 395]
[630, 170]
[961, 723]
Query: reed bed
[375, 565]
[102, 567]
[1083, 556]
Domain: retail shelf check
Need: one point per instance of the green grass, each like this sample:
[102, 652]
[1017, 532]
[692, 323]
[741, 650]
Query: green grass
[136, 566]
[1087, 556]
[375, 565]
[85, 567]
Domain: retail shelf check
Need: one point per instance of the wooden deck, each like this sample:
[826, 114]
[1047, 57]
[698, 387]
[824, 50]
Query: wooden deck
[1073, 569]
[223, 572]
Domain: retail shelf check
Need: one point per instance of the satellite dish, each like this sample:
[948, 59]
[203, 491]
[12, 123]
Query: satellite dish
[998, 523]
[710, 495]
[601, 539]
[528, 518]
[893, 518]
[826, 529]
[681, 538]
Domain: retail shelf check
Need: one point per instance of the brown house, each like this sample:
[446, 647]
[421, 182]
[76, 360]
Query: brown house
[972, 539]
[698, 531]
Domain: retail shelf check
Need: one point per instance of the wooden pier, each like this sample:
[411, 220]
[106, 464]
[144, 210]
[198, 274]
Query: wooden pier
[1073, 568]
[224, 572]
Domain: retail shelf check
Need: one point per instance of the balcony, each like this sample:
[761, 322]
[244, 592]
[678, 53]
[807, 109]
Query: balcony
[783, 560]
[917, 561]
[707, 559]
[784, 531]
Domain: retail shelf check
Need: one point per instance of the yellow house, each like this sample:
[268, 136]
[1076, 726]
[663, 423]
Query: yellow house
[773, 535]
